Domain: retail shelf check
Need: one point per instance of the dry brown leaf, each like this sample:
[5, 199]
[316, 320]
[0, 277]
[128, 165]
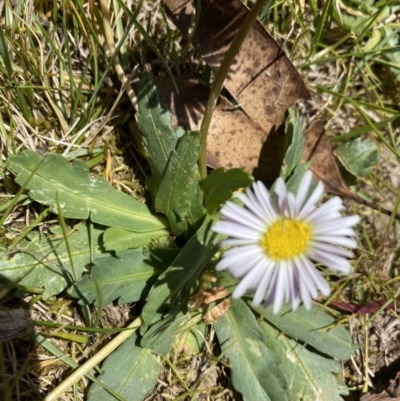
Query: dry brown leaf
[262, 80]
[217, 311]
[323, 165]
[318, 149]
[215, 294]
[229, 124]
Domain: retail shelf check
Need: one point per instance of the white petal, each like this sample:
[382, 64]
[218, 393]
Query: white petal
[253, 206]
[241, 268]
[250, 281]
[279, 287]
[305, 295]
[296, 288]
[303, 190]
[237, 256]
[239, 215]
[281, 193]
[317, 277]
[324, 218]
[236, 230]
[344, 222]
[346, 231]
[292, 292]
[331, 207]
[247, 250]
[311, 201]
[306, 278]
[296, 302]
[332, 261]
[270, 298]
[336, 240]
[334, 250]
[264, 199]
[292, 208]
[264, 283]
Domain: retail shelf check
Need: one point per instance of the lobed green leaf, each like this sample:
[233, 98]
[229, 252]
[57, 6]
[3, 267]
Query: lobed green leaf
[219, 186]
[131, 371]
[161, 335]
[311, 375]
[256, 371]
[44, 261]
[174, 285]
[295, 140]
[358, 156]
[118, 239]
[179, 194]
[81, 196]
[154, 124]
[126, 277]
[313, 327]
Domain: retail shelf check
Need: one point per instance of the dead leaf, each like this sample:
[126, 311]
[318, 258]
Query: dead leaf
[262, 80]
[230, 127]
[364, 309]
[217, 311]
[215, 294]
[323, 165]
[318, 149]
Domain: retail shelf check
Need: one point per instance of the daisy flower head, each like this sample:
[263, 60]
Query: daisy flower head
[276, 238]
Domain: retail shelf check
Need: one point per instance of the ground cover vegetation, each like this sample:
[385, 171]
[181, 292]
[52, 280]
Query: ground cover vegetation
[125, 126]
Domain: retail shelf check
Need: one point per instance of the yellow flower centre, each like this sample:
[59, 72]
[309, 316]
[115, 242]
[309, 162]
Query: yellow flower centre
[286, 238]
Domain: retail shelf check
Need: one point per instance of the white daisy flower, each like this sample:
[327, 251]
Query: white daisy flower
[276, 238]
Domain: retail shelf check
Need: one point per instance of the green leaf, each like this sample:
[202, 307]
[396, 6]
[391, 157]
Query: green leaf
[313, 327]
[173, 159]
[179, 194]
[161, 335]
[295, 139]
[80, 195]
[193, 340]
[311, 375]
[174, 285]
[131, 371]
[293, 183]
[225, 279]
[44, 261]
[127, 277]
[220, 184]
[154, 124]
[256, 371]
[391, 41]
[358, 156]
[118, 239]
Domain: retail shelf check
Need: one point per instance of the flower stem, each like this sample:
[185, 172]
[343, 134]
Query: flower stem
[222, 72]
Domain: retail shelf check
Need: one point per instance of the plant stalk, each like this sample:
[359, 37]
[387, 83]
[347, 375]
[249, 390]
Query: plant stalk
[222, 72]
